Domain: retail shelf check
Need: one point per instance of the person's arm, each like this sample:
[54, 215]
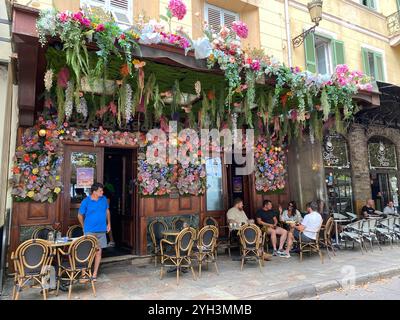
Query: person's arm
[300, 227]
[275, 222]
[82, 212]
[108, 221]
[81, 219]
[260, 222]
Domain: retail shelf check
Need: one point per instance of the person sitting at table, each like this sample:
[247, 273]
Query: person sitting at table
[310, 225]
[390, 208]
[236, 214]
[267, 217]
[291, 213]
[368, 210]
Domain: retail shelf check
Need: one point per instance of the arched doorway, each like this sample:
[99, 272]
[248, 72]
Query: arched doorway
[383, 171]
[337, 173]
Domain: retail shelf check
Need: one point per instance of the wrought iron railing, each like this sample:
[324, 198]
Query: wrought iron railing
[393, 23]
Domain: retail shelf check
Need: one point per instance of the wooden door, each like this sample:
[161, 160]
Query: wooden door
[83, 165]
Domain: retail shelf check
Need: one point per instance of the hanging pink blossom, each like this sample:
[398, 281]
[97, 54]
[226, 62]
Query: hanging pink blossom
[63, 16]
[63, 77]
[177, 8]
[255, 65]
[100, 27]
[240, 29]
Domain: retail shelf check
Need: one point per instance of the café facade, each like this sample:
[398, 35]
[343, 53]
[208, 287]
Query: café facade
[71, 134]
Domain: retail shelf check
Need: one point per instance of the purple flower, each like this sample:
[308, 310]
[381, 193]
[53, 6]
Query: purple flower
[177, 8]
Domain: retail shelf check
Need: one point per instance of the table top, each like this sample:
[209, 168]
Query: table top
[290, 222]
[342, 220]
[61, 243]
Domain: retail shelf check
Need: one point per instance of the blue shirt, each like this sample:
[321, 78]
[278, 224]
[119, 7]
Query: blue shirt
[95, 214]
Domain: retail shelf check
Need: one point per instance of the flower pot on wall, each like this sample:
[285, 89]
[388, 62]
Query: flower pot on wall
[98, 86]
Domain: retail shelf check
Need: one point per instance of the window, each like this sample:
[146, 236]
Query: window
[217, 17]
[120, 9]
[369, 3]
[215, 192]
[323, 54]
[373, 64]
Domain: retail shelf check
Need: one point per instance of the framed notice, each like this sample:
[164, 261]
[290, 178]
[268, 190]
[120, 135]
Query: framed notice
[84, 177]
[237, 184]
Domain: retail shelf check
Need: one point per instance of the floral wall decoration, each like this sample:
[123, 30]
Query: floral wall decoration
[270, 166]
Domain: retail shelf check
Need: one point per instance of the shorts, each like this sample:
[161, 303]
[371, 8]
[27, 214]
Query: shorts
[304, 238]
[101, 237]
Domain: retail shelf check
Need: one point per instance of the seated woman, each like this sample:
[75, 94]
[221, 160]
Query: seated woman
[291, 214]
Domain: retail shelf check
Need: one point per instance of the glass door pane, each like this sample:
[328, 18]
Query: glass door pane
[215, 197]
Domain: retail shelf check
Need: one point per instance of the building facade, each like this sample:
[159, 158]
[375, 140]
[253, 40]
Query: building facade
[343, 169]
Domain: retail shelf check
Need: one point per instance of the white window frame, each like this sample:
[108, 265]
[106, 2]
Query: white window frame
[106, 5]
[328, 53]
[221, 13]
[373, 9]
[382, 52]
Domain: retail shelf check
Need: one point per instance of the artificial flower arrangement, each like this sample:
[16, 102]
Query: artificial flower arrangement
[270, 163]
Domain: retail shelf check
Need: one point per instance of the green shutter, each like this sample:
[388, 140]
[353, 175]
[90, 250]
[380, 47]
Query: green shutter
[309, 47]
[378, 64]
[398, 5]
[337, 52]
[364, 53]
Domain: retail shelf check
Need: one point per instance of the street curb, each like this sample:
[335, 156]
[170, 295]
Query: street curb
[312, 290]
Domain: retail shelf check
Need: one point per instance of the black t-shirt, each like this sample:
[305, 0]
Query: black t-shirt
[369, 210]
[266, 216]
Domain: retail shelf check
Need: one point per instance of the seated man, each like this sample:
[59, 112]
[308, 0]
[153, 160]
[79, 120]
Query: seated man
[268, 218]
[310, 225]
[368, 210]
[390, 208]
[236, 214]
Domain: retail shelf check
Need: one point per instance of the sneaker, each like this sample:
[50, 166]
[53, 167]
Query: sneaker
[280, 252]
[111, 244]
[285, 255]
[275, 253]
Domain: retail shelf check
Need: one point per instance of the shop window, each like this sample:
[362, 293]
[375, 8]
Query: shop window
[373, 64]
[369, 3]
[337, 174]
[382, 154]
[217, 17]
[214, 196]
[323, 54]
[120, 9]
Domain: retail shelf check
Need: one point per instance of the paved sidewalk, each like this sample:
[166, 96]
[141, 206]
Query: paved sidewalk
[280, 279]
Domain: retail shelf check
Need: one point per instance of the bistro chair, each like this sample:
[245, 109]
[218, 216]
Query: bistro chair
[42, 232]
[31, 260]
[327, 234]
[206, 247]
[178, 223]
[78, 262]
[369, 231]
[252, 243]
[75, 231]
[311, 246]
[156, 228]
[385, 229]
[178, 253]
[353, 232]
[222, 242]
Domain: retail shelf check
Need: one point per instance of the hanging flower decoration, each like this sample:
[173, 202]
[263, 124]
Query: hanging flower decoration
[270, 162]
[240, 29]
[177, 9]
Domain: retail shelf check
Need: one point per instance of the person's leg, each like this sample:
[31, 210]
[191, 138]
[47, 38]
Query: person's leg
[271, 232]
[283, 233]
[97, 260]
[289, 242]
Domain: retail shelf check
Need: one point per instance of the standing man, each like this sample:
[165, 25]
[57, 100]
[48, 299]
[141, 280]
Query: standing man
[268, 218]
[94, 216]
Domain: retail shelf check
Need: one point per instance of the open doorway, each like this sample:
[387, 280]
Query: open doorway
[119, 188]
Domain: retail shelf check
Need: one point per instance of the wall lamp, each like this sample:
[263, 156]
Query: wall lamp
[315, 10]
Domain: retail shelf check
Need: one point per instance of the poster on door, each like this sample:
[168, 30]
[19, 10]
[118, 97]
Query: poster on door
[84, 177]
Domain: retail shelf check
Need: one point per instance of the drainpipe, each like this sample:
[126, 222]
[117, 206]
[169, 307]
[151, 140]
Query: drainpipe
[288, 36]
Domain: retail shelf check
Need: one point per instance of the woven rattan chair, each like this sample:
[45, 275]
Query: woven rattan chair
[327, 233]
[223, 242]
[178, 253]
[311, 246]
[210, 221]
[252, 243]
[41, 233]
[78, 262]
[205, 250]
[31, 260]
[156, 228]
[178, 224]
[75, 231]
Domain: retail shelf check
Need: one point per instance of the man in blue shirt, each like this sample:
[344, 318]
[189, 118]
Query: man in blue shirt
[94, 216]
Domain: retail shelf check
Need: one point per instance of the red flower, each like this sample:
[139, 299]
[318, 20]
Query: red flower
[16, 170]
[100, 27]
[122, 36]
[33, 178]
[27, 158]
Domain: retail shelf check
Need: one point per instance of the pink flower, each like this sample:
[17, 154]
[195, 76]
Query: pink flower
[240, 29]
[232, 59]
[63, 16]
[77, 16]
[85, 22]
[224, 32]
[255, 65]
[63, 77]
[177, 8]
[342, 69]
[100, 27]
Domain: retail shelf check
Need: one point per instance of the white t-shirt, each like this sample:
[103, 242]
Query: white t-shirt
[389, 210]
[238, 215]
[312, 222]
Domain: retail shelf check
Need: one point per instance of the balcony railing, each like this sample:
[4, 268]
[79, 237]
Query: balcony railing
[393, 23]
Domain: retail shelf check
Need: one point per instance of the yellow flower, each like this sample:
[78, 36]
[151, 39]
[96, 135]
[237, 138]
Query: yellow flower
[94, 25]
[211, 57]
[35, 171]
[57, 178]
[31, 194]
[57, 190]
[138, 64]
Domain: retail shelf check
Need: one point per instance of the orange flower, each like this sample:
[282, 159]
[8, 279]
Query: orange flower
[124, 70]
[16, 170]
[210, 95]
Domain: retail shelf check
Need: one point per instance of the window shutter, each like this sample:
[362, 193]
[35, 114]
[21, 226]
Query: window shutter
[121, 10]
[338, 52]
[372, 4]
[378, 64]
[364, 53]
[213, 17]
[229, 17]
[309, 46]
[398, 5]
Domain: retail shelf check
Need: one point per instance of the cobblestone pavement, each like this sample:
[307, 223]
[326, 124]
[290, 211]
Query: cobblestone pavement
[143, 282]
[384, 289]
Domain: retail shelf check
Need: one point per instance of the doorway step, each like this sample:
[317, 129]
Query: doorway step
[128, 259]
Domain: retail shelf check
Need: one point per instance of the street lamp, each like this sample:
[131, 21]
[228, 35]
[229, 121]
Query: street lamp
[315, 10]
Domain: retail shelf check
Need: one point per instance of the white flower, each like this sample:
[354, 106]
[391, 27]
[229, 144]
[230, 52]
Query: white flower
[69, 99]
[82, 107]
[48, 79]
[197, 87]
[128, 103]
